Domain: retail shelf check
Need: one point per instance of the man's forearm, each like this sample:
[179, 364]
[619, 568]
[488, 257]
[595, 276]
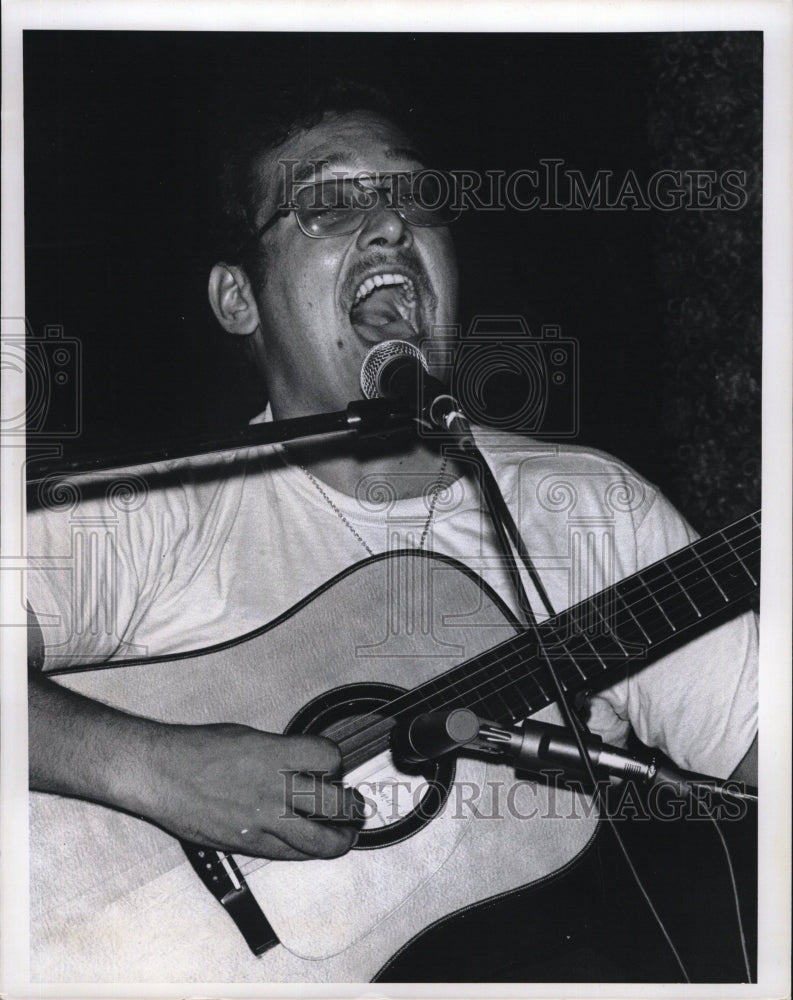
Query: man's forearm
[221, 785]
[84, 748]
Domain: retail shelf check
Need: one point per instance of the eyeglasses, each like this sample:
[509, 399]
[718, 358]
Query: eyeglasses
[339, 206]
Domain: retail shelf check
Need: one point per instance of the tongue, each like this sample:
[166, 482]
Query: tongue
[377, 317]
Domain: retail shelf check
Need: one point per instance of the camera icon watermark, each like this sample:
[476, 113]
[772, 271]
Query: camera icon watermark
[52, 367]
[508, 379]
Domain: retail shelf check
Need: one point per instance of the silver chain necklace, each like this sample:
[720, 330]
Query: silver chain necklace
[433, 503]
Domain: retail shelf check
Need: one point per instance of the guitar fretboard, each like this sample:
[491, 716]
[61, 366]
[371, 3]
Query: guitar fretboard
[631, 621]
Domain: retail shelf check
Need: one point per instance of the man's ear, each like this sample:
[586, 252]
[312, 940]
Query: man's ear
[232, 299]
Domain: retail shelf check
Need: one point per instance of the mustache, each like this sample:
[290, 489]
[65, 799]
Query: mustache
[402, 260]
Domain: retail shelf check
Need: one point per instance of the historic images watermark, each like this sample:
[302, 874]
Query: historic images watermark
[549, 185]
[554, 797]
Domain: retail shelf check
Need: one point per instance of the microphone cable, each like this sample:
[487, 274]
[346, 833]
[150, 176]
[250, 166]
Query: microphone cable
[575, 724]
[444, 412]
[505, 528]
[735, 895]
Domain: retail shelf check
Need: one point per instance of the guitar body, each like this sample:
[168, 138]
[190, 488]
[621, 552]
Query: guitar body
[114, 899]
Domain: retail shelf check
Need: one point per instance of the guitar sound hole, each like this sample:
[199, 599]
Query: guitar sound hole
[400, 799]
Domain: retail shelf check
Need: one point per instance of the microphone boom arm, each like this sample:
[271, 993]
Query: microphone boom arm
[362, 418]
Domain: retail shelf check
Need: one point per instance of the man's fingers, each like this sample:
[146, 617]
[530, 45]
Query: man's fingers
[313, 753]
[266, 845]
[317, 840]
[258, 793]
[315, 797]
[309, 788]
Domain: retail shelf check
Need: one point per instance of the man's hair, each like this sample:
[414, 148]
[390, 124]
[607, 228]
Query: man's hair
[242, 186]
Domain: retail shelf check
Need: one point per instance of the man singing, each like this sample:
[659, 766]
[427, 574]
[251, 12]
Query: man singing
[330, 251]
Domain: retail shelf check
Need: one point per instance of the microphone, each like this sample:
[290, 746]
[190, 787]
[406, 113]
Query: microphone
[397, 370]
[433, 734]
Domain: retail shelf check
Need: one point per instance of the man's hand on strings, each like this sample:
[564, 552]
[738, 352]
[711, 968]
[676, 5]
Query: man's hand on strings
[223, 785]
[236, 788]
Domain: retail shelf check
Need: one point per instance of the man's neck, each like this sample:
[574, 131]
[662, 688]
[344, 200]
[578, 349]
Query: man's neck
[410, 468]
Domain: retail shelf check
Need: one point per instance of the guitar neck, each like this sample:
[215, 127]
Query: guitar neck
[632, 620]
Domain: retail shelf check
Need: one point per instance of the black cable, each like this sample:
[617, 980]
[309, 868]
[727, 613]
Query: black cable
[496, 506]
[735, 895]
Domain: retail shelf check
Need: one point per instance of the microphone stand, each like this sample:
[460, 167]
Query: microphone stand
[362, 418]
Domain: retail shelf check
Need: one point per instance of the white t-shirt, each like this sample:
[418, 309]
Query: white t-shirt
[217, 547]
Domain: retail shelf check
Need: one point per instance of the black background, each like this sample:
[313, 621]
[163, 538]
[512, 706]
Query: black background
[121, 134]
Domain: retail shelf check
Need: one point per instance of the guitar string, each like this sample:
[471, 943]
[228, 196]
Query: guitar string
[355, 728]
[255, 864]
[517, 657]
[737, 559]
[354, 725]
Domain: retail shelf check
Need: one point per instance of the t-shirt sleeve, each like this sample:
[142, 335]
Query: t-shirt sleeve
[699, 703]
[92, 556]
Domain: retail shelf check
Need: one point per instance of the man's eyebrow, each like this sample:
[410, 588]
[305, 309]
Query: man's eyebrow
[307, 171]
[404, 153]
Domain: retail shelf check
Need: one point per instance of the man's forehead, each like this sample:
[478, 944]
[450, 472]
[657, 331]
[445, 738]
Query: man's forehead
[309, 168]
[355, 142]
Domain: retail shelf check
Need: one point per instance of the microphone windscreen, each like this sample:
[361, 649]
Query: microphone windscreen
[379, 356]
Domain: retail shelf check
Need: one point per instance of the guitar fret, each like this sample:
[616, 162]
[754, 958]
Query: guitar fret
[536, 681]
[712, 577]
[433, 696]
[513, 699]
[551, 666]
[627, 607]
[653, 620]
[580, 633]
[504, 703]
[491, 691]
[595, 636]
[570, 673]
[638, 612]
[609, 631]
[655, 601]
[725, 564]
[518, 667]
[517, 691]
[498, 693]
[576, 664]
[740, 561]
[591, 645]
[682, 589]
[701, 585]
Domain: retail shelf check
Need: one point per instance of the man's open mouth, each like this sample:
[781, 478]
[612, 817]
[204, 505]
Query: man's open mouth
[386, 307]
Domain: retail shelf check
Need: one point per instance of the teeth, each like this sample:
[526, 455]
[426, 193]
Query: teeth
[379, 280]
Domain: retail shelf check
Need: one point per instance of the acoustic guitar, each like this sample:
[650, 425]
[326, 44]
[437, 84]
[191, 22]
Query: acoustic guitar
[116, 899]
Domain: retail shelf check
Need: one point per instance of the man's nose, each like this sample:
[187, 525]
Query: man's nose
[384, 226]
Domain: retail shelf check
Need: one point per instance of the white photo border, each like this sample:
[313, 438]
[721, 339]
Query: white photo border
[774, 18]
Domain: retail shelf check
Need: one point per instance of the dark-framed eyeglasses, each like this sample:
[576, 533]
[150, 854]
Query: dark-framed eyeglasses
[339, 206]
